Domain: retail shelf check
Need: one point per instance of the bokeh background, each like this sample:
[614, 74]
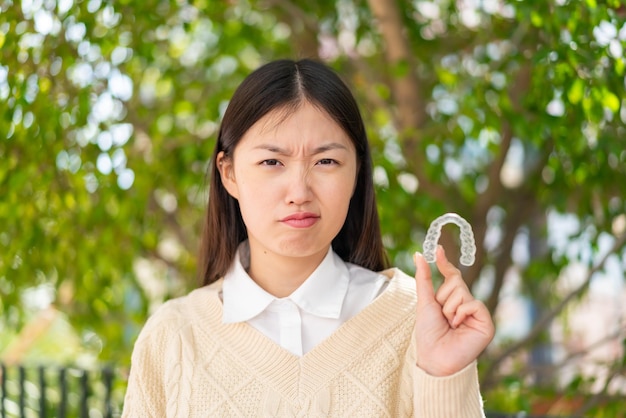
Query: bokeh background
[510, 113]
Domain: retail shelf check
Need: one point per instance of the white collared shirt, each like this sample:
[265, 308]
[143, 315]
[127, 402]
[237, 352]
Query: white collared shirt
[335, 292]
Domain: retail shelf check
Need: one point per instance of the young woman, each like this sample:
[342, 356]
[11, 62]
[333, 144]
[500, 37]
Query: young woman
[297, 315]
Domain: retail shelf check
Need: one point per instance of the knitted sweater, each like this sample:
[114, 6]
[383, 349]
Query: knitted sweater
[187, 363]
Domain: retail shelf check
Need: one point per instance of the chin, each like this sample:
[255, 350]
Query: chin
[301, 249]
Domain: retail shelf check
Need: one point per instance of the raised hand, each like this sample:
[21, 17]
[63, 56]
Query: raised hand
[451, 328]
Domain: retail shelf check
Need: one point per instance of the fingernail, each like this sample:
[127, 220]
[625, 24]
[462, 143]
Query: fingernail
[416, 255]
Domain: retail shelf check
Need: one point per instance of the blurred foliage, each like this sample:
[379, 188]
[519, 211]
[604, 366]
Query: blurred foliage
[109, 110]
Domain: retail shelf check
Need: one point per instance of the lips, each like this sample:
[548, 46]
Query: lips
[301, 220]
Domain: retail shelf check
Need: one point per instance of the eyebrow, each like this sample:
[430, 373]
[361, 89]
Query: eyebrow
[318, 150]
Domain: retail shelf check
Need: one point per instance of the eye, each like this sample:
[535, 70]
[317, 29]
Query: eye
[271, 162]
[327, 161]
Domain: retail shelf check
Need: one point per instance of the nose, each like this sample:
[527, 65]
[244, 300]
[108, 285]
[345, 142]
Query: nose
[298, 189]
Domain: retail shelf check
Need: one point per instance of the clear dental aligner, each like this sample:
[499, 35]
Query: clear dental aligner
[468, 245]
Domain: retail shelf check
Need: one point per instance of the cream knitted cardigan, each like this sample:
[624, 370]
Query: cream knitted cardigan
[187, 363]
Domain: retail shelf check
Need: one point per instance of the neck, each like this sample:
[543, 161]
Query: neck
[280, 276]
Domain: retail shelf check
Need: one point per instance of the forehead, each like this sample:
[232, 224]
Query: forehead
[300, 125]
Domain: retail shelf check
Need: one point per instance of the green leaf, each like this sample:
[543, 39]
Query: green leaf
[610, 101]
[619, 66]
[536, 19]
[447, 77]
[400, 69]
[575, 93]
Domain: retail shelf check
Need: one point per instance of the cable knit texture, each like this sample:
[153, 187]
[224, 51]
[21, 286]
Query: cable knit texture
[187, 363]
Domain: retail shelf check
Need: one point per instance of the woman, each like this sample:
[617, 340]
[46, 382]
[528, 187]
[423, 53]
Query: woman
[297, 315]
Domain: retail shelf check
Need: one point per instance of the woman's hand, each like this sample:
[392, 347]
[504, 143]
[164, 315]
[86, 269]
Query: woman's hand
[451, 328]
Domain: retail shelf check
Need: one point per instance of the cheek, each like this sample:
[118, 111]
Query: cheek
[254, 202]
[338, 196]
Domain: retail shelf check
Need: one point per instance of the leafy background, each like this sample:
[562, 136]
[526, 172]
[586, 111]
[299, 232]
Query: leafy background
[509, 113]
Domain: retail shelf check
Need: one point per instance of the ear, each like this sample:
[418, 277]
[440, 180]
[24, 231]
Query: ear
[227, 174]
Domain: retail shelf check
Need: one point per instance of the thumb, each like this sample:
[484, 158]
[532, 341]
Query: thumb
[423, 280]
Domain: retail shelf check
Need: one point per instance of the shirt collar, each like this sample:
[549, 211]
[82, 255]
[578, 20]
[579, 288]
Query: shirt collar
[243, 299]
[322, 293]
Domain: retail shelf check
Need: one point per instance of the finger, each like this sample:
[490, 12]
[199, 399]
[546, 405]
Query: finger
[449, 286]
[452, 275]
[452, 280]
[446, 268]
[473, 310]
[423, 280]
[452, 304]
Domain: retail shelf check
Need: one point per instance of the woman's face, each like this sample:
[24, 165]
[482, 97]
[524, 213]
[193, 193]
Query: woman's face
[293, 177]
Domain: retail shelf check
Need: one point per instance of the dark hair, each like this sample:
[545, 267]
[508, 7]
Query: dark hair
[285, 84]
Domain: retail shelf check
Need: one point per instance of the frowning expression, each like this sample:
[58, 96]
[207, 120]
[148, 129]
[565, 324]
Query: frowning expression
[293, 174]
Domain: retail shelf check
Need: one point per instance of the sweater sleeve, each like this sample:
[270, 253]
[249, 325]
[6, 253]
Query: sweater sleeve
[457, 395]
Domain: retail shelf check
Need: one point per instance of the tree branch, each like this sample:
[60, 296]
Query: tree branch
[554, 368]
[494, 188]
[543, 322]
[520, 87]
[598, 397]
[517, 217]
[405, 88]
[599, 343]
[373, 98]
[302, 25]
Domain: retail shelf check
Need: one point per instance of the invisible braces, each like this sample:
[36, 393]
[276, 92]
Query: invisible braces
[468, 244]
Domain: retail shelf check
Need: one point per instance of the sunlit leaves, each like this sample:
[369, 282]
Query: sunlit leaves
[610, 101]
[110, 110]
[576, 91]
